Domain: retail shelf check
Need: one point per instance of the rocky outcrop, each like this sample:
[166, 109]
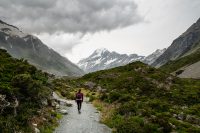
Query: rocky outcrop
[90, 85]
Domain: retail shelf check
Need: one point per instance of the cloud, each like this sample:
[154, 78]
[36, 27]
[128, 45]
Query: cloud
[63, 43]
[70, 16]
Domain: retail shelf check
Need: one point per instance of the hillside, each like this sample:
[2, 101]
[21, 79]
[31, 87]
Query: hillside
[24, 95]
[139, 98]
[186, 66]
[22, 45]
[183, 45]
[102, 59]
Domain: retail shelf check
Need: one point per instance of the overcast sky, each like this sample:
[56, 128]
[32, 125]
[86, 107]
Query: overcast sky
[75, 28]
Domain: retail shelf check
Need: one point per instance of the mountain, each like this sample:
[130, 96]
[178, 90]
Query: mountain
[184, 45]
[187, 66]
[22, 45]
[152, 57]
[102, 59]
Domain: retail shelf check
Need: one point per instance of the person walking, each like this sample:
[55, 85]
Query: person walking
[79, 100]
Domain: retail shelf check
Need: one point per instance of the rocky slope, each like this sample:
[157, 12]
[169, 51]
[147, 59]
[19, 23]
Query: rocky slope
[183, 45]
[21, 45]
[102, 59]
[186, 66]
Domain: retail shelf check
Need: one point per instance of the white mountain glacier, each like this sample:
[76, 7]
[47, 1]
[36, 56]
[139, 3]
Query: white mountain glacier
[102, 59]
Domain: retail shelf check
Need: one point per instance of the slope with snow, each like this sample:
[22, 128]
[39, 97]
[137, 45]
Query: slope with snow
[152, 57]
[102, 59]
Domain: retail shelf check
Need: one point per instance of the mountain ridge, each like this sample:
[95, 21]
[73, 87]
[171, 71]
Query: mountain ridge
[27, 46]
[180, 46]
[102, 59]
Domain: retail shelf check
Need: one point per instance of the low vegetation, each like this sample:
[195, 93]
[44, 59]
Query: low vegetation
[24, 96]
[135, 98]
[144, 99]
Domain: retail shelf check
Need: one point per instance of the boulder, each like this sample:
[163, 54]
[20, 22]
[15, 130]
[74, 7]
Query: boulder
[180, 116]
[57, 106]
[36, 130]
[44, 102]
[89, 84]
[63, 111]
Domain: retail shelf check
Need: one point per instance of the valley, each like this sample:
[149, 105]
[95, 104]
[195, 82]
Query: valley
[158, 93]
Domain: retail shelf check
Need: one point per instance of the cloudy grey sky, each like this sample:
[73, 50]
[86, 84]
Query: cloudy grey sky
[75, 28]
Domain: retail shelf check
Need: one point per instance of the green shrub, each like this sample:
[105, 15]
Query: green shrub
[114, 96]
[127, 108]
[91, 98]
[131, 125]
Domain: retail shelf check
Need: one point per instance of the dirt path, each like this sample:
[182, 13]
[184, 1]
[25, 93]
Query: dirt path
[85, 122]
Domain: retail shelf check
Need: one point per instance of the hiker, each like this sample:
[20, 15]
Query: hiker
[79, 99]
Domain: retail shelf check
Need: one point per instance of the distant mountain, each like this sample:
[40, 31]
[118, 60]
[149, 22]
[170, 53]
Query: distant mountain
[21, 45]
[152, 57]
[184, 45]
[102, 59]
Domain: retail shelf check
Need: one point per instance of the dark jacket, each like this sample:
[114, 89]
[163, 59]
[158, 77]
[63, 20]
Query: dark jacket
[79, 95]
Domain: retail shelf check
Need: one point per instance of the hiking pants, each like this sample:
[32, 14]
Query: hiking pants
[79, 103]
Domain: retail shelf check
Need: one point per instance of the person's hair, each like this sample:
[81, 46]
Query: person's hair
[79, 90]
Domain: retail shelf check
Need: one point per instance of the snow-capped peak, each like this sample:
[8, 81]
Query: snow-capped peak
[100, 51]
[104, 59]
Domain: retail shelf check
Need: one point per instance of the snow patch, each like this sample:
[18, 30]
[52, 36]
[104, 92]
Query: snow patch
[6, 38]
[99, 52]
[110, 61]
[97, 61]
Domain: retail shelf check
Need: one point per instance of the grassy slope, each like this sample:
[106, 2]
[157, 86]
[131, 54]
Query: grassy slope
[24, 83]
[172, 66]
[145, 99]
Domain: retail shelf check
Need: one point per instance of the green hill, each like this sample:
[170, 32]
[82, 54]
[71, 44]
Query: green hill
[141, 98]
[23, 92]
